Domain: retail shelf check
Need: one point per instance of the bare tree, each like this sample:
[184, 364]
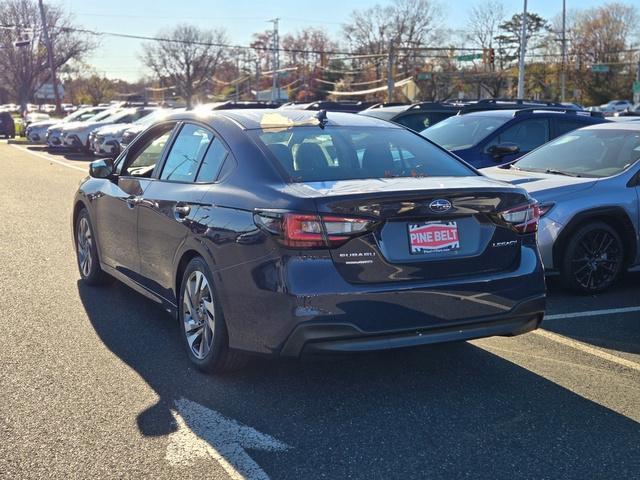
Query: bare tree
[406, 24]
[23, 69]
[603, 35]
[187, 59]
[484, 23]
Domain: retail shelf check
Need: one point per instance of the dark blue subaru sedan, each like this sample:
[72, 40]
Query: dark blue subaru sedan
[299, 232]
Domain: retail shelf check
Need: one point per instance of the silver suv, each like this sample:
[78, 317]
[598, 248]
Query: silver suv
[587, 183]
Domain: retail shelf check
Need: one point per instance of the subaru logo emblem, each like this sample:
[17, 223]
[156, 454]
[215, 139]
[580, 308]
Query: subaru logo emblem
[440, 206]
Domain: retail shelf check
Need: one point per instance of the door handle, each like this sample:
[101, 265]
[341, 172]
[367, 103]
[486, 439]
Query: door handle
[182, 211]
[132, 201]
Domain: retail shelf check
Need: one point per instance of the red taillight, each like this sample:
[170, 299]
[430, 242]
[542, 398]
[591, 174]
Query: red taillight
[523, 219]
[312, 231]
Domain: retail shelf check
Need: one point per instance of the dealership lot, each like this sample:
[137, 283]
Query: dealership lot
[95, 381]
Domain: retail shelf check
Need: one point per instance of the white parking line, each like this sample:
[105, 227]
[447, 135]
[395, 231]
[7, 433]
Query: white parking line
[583, 347]
[49, 158]
[592, 313]
[204, 432]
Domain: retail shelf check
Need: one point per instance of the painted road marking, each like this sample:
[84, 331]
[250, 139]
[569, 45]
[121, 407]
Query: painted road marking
[583, 347]
[204, 432]
[592, 313]
[48, 158]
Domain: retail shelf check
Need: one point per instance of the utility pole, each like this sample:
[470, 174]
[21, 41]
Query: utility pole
[636, 95]
[390, 80]
[237, 96]
[52, 66]
[275, 88]
[523, 48]
[563, 79]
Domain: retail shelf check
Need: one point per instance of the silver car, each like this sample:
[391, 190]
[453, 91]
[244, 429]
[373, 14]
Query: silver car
[587, 183]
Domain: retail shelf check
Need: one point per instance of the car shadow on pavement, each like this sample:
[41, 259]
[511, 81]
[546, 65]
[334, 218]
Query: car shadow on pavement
[442, 411]
[618, 331]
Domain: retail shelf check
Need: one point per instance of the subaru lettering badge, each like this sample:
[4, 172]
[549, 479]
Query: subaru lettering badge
[440, 206]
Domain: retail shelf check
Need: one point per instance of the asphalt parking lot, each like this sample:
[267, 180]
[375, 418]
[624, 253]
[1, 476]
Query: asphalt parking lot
[95, 383]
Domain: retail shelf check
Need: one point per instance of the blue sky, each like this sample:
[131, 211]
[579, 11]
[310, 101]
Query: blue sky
[118, 57]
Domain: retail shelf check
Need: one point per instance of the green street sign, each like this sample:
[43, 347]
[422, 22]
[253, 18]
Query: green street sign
[636, 87]
[469, 57]
[600, 68]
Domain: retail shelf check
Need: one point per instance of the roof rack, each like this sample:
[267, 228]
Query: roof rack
[568, 111]
[520, 101]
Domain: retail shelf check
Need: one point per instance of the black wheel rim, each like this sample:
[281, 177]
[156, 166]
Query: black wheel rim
[597, 259]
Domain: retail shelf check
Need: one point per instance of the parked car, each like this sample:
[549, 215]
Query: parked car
[588, 185]
[345, 232]
[55, 133]
[633, 111]
[107, 140]
[47, 108]
[615, 106]
[35, 117]
[36, 132]
[423, 115]
[7, 125]
[490, 138]
[76, 134]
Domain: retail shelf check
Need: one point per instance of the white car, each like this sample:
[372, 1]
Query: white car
[76, 134]
[616, 106]
[55, 135]
[107, 140]
[36, 132]
[35, 117]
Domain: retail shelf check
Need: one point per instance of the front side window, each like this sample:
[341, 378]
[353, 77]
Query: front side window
[144, 158]
[586, 153]
[312, 154]
[185, 154]
[566, 126]
[463, 131]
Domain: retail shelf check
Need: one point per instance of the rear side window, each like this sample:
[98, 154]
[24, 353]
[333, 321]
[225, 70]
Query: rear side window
[566, 126]
[185, 154]
[312, 154]
[528, 134]
[212, 162]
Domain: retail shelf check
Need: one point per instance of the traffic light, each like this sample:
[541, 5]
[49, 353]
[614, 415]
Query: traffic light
[492, 56]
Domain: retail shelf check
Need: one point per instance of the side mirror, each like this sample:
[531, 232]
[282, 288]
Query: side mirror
[502, 149]
[102, 168]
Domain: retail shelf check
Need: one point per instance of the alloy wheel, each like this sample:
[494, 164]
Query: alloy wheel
[597, 260]
[198, 314]
[84, 246]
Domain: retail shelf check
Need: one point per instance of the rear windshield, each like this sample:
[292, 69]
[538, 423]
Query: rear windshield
[463, 131]
[312, 154]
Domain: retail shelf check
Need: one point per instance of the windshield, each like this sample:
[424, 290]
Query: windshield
[463, 131]
[585, 153]
[312, 154]
[153, 117]
[103, 115]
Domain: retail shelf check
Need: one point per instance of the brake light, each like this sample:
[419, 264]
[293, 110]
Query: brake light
[523, 219]
[312, 231]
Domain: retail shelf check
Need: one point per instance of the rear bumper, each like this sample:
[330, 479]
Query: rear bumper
[336, 338]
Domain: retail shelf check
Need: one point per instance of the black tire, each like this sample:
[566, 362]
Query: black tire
[593, 258]
[93, 274]
[218, 357]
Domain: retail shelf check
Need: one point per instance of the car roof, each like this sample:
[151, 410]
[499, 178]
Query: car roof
[249, 119]
[633, 126]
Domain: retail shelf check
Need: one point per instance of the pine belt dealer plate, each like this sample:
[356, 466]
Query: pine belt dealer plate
[432, 237]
